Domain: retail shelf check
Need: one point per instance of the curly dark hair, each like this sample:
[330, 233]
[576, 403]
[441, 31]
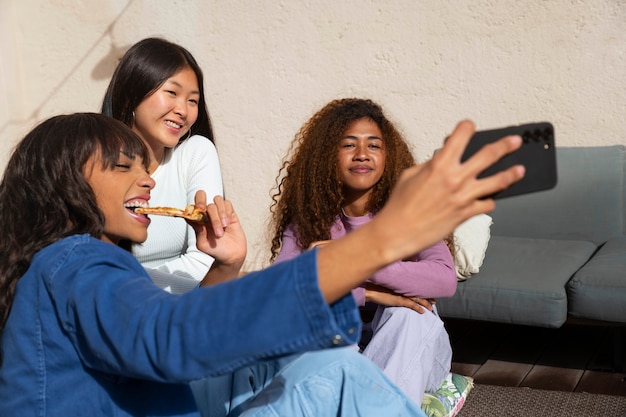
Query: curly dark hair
[308, 193]
[44, 195]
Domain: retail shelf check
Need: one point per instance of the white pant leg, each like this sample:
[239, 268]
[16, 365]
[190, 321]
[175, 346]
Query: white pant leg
[412, 349]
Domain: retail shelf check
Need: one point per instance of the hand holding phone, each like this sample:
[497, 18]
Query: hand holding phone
[537, 154]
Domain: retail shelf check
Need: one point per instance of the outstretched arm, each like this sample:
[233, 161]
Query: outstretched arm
[428, 203]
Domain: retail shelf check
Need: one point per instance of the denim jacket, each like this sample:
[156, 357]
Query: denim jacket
[90, 334]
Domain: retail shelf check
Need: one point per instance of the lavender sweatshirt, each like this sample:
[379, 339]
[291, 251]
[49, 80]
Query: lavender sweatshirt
[428, 274]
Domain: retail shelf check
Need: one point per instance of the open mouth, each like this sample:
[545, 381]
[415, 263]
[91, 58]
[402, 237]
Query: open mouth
[134, 204]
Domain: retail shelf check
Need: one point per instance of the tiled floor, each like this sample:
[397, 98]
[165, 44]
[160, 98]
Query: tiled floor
[572, 358]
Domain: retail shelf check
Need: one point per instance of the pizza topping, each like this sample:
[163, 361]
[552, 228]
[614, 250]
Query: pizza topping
[190, 212]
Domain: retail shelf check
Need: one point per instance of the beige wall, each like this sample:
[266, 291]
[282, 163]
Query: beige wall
[269, 65]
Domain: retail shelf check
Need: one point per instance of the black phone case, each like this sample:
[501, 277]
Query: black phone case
[537, 154]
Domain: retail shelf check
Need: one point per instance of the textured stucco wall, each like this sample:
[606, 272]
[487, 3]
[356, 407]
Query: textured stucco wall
[269, 65]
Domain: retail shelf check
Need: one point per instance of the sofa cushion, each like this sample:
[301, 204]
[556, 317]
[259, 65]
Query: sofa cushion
[471, 240]
[586, 204]
[598, 290]
[521, 281]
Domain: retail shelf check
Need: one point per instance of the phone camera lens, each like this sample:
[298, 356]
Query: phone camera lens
[537, 135]
[526, 136]
[548, 135]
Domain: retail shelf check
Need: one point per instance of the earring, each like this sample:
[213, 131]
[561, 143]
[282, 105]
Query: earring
[188, 135]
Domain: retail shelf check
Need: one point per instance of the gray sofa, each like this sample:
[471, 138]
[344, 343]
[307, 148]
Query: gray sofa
[555, 255]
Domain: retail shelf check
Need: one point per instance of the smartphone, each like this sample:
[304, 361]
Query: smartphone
[537, 154]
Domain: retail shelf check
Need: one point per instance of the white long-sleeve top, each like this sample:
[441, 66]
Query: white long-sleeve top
[171, 245]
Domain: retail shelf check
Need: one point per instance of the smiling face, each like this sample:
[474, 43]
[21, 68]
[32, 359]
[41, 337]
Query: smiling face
[117, 190]
[361, 162]
[166, 115]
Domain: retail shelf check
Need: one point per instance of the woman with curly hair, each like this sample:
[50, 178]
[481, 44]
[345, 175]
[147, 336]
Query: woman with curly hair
[344, 163]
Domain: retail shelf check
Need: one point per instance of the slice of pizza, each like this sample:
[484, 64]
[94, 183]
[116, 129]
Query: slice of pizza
[190, 212]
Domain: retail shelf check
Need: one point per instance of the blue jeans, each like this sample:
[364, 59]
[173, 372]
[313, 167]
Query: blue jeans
[331, 382]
